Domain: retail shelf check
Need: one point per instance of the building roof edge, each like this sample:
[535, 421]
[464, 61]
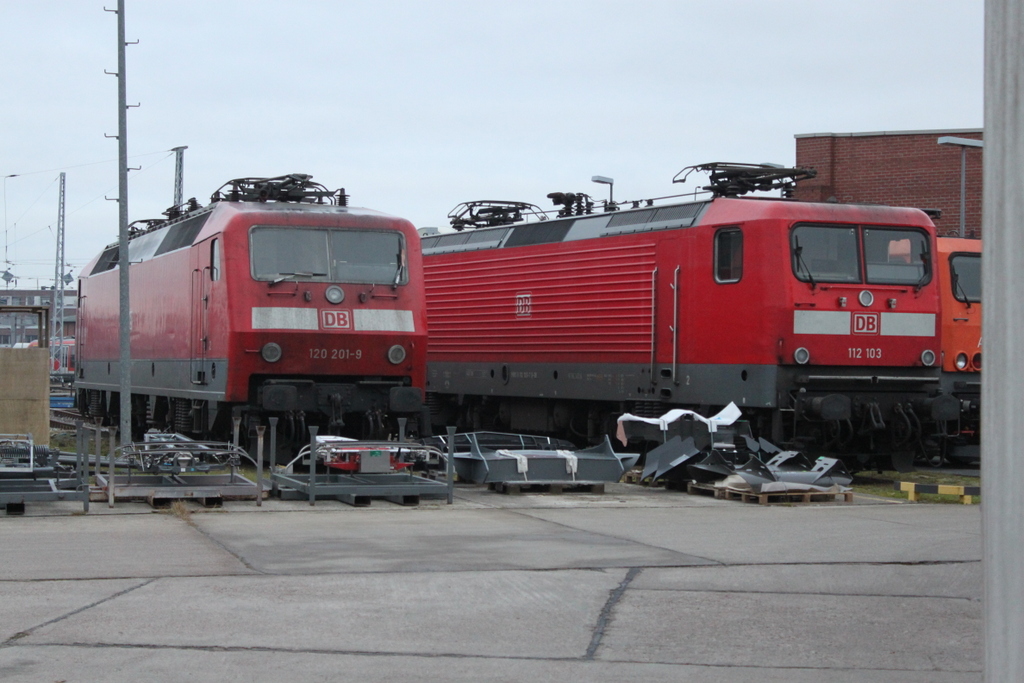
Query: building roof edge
[940, 131]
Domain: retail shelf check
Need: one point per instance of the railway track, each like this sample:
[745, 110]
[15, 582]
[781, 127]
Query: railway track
[64, 418]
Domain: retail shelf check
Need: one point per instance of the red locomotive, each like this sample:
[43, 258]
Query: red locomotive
[276, 299]
[819, 320]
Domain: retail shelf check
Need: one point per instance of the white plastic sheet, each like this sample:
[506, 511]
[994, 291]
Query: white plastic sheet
[725, 417]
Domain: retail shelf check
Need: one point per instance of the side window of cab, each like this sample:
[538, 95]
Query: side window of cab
[728, 255]
[215, 259]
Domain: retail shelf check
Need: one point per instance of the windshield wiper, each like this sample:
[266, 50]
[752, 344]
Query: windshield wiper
[957, 287]
[288, 276]
[925, 274]
[401, 268]
[798, 252]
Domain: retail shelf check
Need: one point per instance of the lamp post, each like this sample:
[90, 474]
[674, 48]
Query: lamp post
[963, 144]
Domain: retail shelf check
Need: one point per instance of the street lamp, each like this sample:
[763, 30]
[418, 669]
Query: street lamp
[963, 144]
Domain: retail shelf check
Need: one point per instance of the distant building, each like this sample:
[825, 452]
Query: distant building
[900, 168]
[17, 329]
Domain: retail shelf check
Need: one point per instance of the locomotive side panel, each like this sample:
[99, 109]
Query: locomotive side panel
[728, 316]
[161, 329]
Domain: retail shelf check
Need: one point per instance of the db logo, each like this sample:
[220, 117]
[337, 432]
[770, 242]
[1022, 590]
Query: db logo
[866, 323]
[523, 305]
[336, 320]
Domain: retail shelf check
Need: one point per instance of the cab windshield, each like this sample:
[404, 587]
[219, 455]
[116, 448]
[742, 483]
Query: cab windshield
[965, 276]
[859, 255]
[328, 255]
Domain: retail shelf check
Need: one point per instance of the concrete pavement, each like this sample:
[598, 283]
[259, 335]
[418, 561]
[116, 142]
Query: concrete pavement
[634, 585]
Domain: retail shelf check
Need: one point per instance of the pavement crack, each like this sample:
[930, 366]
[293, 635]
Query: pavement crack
[245, 563]
[24, 634]
[708, 560]
[606, 612]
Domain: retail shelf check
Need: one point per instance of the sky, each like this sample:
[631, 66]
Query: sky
[416, 106]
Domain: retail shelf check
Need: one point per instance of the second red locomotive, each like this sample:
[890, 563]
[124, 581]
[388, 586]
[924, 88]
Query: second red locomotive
[820, 321]
[276, 299]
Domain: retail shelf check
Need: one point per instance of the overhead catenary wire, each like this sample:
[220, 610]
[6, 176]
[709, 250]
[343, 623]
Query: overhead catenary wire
[24, 262]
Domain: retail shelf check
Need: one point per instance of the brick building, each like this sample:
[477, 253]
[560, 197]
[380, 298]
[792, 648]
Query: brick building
[901, 168]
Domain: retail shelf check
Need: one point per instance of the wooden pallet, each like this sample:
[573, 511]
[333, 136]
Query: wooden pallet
[775, 498]
[636, 477]
[694, 489]
[515, 488]
[632, 477]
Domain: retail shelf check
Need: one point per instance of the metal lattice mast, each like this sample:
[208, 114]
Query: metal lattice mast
[57, 343]
[179, 174]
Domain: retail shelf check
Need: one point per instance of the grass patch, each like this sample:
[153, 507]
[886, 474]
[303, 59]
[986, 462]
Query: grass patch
[180, 510]
[881, 484]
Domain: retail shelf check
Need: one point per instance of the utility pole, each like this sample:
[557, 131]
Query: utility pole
[57, 344]
[1002, 471]
[123, 266]
[179, 173]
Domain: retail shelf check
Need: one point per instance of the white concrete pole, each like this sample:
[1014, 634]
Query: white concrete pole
[1002, 480]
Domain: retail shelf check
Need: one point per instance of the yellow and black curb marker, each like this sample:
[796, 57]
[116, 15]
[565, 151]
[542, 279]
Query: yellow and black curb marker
[966, 493]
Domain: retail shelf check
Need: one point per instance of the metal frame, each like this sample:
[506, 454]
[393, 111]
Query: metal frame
[482, 464]
[36, 484]
[358, 488]
[162, 484]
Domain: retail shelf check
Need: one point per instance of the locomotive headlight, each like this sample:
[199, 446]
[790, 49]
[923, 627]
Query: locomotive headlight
[977, 361]
[866, 298]
[802, 356]
[961, 361]
[335, 294]
[271, 352]
[396, 354]
[928, 357]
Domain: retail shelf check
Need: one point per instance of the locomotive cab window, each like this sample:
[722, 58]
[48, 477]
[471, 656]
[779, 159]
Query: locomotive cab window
[896, 257]
[825, 253]
[328, 255]
[728, 255]
[965, 277]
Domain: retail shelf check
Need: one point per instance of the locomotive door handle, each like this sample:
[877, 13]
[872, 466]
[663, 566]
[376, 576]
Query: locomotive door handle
[675, 324]
[654, 321]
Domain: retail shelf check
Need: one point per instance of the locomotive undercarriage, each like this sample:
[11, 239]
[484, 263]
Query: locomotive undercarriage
[867, 420]
[363, 408]
[966, 388]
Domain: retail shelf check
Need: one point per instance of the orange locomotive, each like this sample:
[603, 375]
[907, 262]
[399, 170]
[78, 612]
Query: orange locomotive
[959, 269]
